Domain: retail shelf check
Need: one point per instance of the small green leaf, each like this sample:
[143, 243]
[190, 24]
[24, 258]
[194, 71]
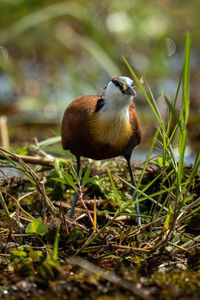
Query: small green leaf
[17, 252]
[160, 162]
[62, 180]
[86, 178]
[72, 170]
[36, 226]
[69, 181]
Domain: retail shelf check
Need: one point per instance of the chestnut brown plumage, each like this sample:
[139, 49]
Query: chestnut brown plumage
[82, 126]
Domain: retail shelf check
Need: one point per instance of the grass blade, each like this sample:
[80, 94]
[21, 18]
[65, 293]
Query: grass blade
[114, 188]
[186, 78]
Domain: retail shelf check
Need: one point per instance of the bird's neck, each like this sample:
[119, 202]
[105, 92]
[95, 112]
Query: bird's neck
[111, 125]
[111, 111]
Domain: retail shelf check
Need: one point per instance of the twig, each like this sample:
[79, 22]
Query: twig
[45, 197]
[177, 246]
[5, 254]
[29, 159]
[190, 206]
[84, 205]
[3, 203]
[29, 173]
[118, 219]
[26, 195]
[42, 152]
[111, 276]
[133, 249]
[73, 222]
[187, 245]
[18, 204]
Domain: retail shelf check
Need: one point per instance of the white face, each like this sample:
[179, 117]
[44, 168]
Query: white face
[116, 96]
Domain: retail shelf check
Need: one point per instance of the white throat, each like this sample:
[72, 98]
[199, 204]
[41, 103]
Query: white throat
[116, 104]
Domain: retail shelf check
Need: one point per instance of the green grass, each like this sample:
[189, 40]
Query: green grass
[178, 191]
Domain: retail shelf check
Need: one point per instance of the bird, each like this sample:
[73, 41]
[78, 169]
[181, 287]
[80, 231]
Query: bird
[103, 126]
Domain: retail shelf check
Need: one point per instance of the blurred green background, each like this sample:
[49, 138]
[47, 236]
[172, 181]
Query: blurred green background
[54, 51]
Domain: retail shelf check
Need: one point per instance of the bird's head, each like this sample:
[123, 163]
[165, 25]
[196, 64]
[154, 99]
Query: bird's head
[120, 91]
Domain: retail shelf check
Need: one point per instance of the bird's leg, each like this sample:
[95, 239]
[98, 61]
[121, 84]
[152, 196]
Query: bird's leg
[132, 192]
[76, 196]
